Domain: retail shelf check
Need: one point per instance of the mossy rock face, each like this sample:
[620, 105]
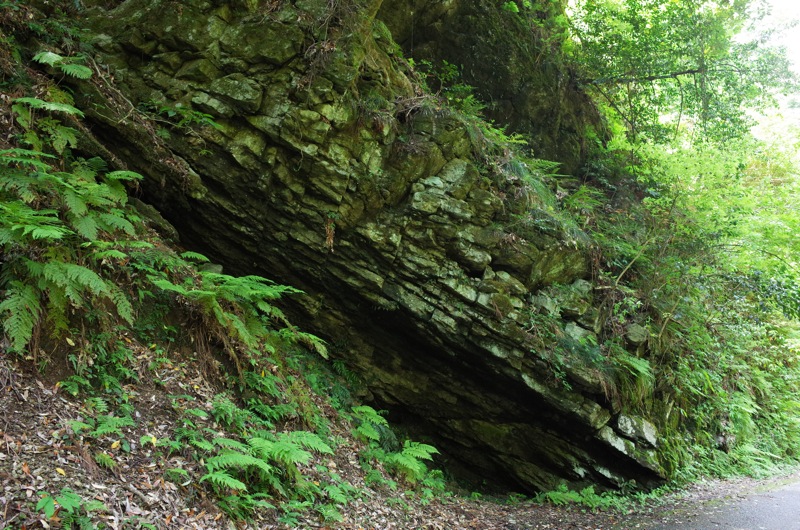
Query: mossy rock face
[514, 60]
[314, 177]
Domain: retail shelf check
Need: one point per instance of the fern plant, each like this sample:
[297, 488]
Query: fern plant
[48, 215]
[68, 65]
[409, 462]
[240, 312]
[264, 466]
[246, 462]
[68, 236]
[368, 423]
[72, 509]
[103, 425]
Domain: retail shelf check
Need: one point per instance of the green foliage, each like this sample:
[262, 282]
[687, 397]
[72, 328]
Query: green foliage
[648, 60]
[103, 425]
[253, 464]
[70, 237]
[240, 313]
[408, 462]
[178, 117]
[22, 309]
[82, 272]
[177, 475]
[586, 497]
[73, 511]
[68, 65]
[48, 216]
[260, 465]
[706, 265]
[368, 423]
[105, 460]
[635, 377]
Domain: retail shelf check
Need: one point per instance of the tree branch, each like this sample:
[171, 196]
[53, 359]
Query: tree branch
[645, 79]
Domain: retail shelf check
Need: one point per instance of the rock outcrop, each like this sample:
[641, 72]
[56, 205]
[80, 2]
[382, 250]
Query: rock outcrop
[426, 265]
[515, 62]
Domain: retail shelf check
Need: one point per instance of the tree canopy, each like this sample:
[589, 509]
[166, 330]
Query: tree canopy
[661, 64]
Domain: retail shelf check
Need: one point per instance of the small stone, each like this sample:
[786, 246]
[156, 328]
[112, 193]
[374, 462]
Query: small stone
[636, 334]
[580, 334]
[548, 304]
[426, 202]
[240, 90]
[637, 428]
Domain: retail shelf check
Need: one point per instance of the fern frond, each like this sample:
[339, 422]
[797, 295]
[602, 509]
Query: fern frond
[222, 480]
[105, 460]
[236, 327]
[97, 403]
[85, 226]
[57, 306]
[166, 285]
[36, 103]
[286, 452]
[314, 342]
[108, 254]
[100, 196]
[309, 440]
[369, 422]
[202, 444]
[121, 302]
[411, 468]
[335, 494]
[111, 425]
[95, 164]
[115, 192]
[22, 308]
[19, 221]
[78, 426]
[123, 175]
[419, 450]
[230, 444]
[116, 220]
[75, 203]
[194, 256]
[265, 307]
[48, 58]
[76, 70]
[62, 136]
[228, 460]
[75, 276]
[44, 232]
[261, 447]
[367, 414]
[25, 157]
[369, 432]
[19, 182]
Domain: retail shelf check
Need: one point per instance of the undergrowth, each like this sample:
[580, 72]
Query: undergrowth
[85, 280]
[684, 243]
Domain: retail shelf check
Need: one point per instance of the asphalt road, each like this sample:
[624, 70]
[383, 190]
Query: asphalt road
[775, 506]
